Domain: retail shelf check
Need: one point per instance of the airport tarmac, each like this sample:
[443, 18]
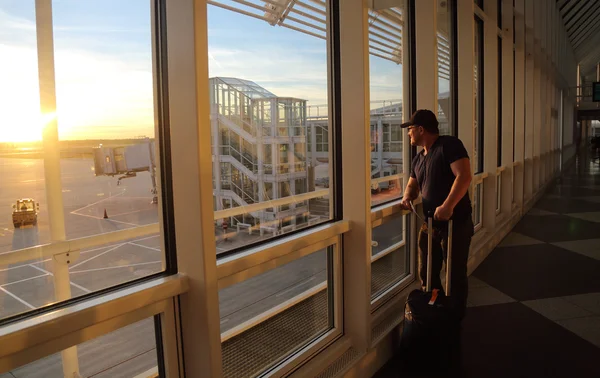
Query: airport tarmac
[29, 284]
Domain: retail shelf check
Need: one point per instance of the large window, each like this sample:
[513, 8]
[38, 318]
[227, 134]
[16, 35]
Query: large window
[386, 64]
[83, 188]
[268, 92]
[478, 72]
[80, 151]
[446, 67]
[389, 254]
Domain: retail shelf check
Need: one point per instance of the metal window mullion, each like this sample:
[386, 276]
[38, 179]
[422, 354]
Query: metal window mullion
[490, 121]
[47, 92]
[507, 106]
[528, 98]
[356, 177]
[465, 79]
[426, 54]
[537, 88]
[187, 46]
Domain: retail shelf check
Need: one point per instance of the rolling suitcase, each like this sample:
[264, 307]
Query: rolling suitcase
[430, 340]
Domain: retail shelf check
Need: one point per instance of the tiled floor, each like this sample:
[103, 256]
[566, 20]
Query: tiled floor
[534, 303]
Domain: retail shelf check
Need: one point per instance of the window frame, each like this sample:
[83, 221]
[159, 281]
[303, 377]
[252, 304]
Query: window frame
[479, 107]
[330, 143]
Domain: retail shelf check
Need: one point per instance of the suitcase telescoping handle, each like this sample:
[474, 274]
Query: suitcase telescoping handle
[430, 255]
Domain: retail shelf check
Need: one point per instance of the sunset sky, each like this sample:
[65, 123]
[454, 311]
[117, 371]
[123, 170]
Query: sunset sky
[104, 68]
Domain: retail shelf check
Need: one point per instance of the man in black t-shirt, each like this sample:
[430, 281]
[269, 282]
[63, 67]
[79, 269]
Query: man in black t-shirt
[441, 172]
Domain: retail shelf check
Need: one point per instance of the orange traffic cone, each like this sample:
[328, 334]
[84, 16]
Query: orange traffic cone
[105, 215]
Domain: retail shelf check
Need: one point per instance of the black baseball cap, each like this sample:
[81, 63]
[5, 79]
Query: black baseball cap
[424, 118]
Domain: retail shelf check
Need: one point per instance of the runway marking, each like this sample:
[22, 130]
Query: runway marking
[13, 267]
[32, 180]
[23, 280]
[97, 202]
[144, 246]
[147, 237]
[17, 298]
[115, 267]
[98, 255]
[50, 259]
[111, 220]
[72, 283]
[224, 321]
[84, 251]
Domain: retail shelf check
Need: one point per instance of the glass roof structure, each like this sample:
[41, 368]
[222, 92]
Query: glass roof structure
[247, 87]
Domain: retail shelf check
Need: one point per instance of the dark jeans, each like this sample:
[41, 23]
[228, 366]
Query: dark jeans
[462, 232]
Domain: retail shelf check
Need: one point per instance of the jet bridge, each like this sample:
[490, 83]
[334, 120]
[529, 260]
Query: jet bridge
[127, 161]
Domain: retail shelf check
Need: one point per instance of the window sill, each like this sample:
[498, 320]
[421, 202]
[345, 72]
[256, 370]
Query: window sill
[39, 336]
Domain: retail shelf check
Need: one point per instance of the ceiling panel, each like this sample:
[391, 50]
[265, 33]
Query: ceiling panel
[582, 24]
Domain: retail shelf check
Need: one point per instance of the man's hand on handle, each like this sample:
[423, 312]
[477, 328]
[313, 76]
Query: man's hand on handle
[405, 204]
[443, 213]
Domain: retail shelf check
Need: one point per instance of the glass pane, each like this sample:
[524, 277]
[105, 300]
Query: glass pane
[272, 315]
[386, 28]
[270, 92]
[101, 177]
[127, 352]
[445, 67]
[390, 258]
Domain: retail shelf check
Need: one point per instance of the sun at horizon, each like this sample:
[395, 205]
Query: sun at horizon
[24, 126]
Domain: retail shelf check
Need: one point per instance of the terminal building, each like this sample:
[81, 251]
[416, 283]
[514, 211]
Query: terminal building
[259, 231]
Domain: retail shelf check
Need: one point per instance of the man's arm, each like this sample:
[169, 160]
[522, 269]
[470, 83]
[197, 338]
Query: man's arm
[412, 190]
[462, 170]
